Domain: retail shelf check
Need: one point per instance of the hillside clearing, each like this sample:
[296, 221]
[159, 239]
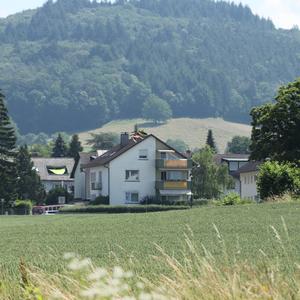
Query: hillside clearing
[192, 131]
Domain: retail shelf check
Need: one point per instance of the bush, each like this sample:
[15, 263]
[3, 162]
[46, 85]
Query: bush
[119, 209]
[152, 200]
[23, 207]
[231, 199]
[100, 200]
[276, 179]
[52, 197]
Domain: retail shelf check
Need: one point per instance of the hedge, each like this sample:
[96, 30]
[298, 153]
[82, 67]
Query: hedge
[118, 209]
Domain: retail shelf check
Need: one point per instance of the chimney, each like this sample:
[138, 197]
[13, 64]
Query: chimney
[124, 139]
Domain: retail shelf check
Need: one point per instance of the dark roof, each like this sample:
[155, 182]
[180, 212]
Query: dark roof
[42, 165]
[251, 166]
[219, 158]
[119, 149]
[84, 158]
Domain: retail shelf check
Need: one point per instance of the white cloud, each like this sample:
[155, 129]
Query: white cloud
[284, 13]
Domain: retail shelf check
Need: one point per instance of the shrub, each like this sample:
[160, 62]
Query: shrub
[150, 200]
[231, 199]
[276, 179]
[23, 207]
[100, 200]
[52, 197]
[119, 209]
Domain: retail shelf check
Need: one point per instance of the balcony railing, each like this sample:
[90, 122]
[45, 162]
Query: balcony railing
[173, 185]
[174, 164]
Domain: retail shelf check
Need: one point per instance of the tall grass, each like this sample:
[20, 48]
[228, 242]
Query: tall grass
[199, 275]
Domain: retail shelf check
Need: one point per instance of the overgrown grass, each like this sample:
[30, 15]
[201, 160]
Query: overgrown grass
[252, 251]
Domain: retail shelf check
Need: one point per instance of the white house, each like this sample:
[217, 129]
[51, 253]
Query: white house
[248, 180]
[234, 162]
[139, 167]
[55, 172]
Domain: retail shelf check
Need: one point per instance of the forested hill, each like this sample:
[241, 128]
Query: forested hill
[75, 64]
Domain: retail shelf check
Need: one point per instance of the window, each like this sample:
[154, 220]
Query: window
[143, 154]
[132, 197]
[163, 155]
[233, 166]
[94, 184]
[174, 175]
[132, 175]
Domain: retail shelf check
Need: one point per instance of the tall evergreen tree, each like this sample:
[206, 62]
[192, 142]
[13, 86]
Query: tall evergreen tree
[29, 183]
[7, 155]
[60, 149]
[75, 146]
[210, 141]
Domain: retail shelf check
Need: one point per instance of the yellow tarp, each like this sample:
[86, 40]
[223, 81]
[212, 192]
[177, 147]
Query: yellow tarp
[58, 171]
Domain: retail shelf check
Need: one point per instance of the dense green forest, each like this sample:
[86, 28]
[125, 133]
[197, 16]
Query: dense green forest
[75, 64]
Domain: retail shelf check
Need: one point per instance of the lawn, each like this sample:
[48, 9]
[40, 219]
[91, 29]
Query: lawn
[129, 239]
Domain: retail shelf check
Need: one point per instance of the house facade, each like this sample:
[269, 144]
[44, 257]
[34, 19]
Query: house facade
[248, 180]
[233, 162]
[55, 172]
[140, 167]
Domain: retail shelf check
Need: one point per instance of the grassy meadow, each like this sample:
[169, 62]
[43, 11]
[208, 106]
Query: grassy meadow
[131, 241]
[192, 131]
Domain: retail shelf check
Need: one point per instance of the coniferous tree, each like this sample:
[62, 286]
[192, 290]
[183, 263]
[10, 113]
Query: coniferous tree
[29, 184]
[210, 141]
[60, 148]
[7, 155]
[75, 146]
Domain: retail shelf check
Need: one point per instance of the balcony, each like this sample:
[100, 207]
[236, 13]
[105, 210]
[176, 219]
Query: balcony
[177, 164]
[173, 185]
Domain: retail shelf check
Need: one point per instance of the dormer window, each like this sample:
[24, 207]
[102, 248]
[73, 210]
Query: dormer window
[57, 170]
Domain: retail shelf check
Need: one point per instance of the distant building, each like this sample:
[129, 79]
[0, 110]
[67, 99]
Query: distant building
[248, 180]
[141, 166]
[234, 162]
[55, 172]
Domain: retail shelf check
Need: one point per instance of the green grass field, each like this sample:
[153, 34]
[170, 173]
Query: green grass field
[129, 240]
[192, 131]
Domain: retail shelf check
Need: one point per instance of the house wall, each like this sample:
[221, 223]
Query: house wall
[49, 185]
[130, 161]
[105, 178]
[79, 183]
[249, 186]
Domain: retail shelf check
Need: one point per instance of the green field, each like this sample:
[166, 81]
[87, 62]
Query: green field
[129, 240]
[192, 131]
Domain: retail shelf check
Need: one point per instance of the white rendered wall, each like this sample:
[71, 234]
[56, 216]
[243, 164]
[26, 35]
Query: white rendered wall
[248, 185]
[79, 183]
[130, 161]
[104, 192]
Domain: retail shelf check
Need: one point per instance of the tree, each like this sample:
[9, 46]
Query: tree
[103, 141]
[60, 148]
[276, 127]
[29, 184]
[210, 141]
[75, 146]
[178, 144]
[7, 156]
[209, 179]
[239, 145]
[277, 178]
[156, 109]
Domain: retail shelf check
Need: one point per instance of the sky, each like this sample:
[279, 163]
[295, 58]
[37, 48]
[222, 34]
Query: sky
[284, 13]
